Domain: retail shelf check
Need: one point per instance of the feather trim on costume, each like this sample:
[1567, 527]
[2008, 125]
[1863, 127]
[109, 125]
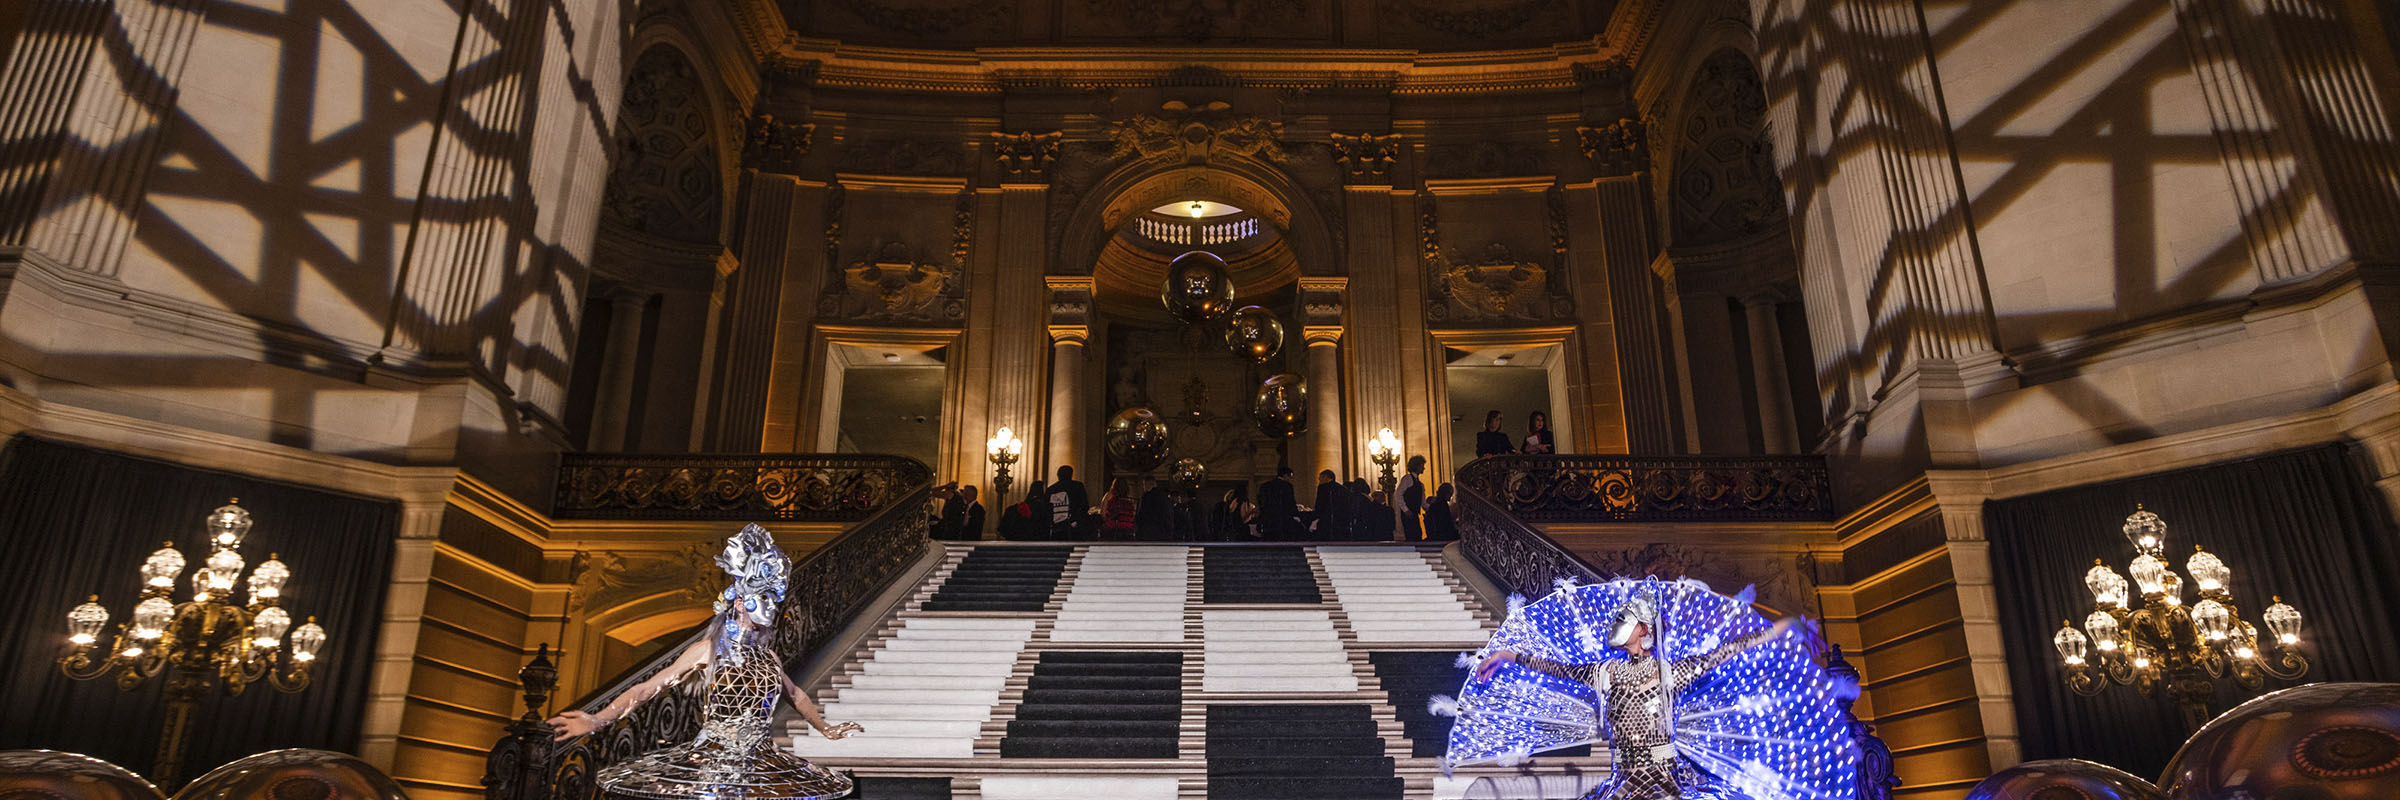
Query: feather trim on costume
[1516, 603]
[1566, 583]
[1467, 659]
[1442, 705]
[1748, 595]
[1515, 756]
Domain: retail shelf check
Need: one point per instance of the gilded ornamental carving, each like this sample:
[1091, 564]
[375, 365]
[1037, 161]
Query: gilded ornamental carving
[1197, 135]
[606, 578]
[1619, 147]
[1365, 154]
[1026, 152]
[776, 145]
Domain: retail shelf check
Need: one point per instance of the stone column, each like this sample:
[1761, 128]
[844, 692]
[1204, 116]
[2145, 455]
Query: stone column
[1777, 431]
[1321, 306]
[1711, 378]
[1070, 329]
[612, 407]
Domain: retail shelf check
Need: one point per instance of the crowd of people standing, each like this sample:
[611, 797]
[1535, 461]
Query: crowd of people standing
[1342, 511]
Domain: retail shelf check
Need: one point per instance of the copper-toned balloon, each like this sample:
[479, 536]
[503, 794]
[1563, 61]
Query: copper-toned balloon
[72, 776]
[296, 773]
[1198, 288]
[2064, 777]
[1254, 333]
[1190, 473]
[1137, 439]
[1281, 407]
[2328, 741]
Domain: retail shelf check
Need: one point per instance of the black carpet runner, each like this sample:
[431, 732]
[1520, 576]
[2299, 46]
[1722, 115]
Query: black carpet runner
[1289, 752]
[1002, 579]
[901, 789]
[1412, 678]
[1258, 575]
[1099, 705]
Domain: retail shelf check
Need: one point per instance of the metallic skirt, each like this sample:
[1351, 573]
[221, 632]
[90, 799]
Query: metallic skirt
[713, 767]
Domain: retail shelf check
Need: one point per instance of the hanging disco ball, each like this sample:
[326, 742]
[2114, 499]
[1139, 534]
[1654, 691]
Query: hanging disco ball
[2323, 741]
[1254, 333]
[2064, 778]
[1281, 407]
[1190, 473]
[1198, 288]
[1137, 439]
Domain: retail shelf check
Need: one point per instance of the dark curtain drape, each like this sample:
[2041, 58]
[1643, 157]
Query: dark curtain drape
[2303, 524]
[76, 522]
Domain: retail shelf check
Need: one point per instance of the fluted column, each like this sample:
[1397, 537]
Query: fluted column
[1777, 431]
[612, 408]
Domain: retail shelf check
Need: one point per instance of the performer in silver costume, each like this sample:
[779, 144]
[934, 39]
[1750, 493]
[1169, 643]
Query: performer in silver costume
[734, 757]
[1637, 695]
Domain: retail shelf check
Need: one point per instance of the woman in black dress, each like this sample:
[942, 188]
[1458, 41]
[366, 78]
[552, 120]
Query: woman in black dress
[1440, 526]
[1491, 441]
[1538, 442]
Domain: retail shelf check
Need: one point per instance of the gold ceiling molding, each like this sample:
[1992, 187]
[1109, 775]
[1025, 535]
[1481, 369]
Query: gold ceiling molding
[994, 70]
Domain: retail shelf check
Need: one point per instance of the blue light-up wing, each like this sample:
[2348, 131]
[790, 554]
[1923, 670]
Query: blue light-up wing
[1764, 723]
[1518, 713]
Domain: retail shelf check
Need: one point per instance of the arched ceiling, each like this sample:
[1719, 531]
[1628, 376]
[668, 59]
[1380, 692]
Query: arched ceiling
[665, 179]
[1724, 184]
[1410, 24]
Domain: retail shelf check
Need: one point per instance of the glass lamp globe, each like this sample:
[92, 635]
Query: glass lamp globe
[2172, 590]
[306, 640]
[161, 568]
[267, 628]
[2148, 573]
[2212, 621]
[2107, 586]
[2146, 531]
[2208, 571]
[266, 582]
[2142, 657]
[84, 623]
[2070, 644]
[2103, 629]
[2245, 643]
[150, 618]
[2284, 621]
[224, 567]
[228, 524]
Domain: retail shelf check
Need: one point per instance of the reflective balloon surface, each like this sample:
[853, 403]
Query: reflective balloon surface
[1198, 288]
[1137, 439]
[1190, 473]
[2323, 741]
[2064, 779]
[1281, 407]
[49, 774]
[295, 774]
[1254, 333]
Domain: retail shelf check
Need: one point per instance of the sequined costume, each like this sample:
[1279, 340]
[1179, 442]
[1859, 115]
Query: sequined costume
[734, 757]
[1733, 714]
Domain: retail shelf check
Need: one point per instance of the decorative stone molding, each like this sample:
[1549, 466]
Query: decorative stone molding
[1070, 304]
[1495, 288]
[605, 579]
[905, 156]
[1487, 159]
[1482, 21]
[1365, 154]
[1198, 136]
[962, 229]
[1026, 152]
[1321, 303]
[894, 287]
[1618, 148]
[776, 145]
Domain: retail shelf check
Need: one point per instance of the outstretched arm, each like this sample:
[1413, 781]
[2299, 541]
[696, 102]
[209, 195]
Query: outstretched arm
[1491, 664]
[816, 716]
[1690, 670]
[571, 724]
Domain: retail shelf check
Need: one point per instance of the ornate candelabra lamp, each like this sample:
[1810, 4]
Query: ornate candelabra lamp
[1003, 449]
[201, 643]
[2165, 643]
[1384, 450]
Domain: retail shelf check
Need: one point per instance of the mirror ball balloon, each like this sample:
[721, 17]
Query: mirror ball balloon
[1198, 288]
[1190, 473]
[1281, 408]
[1137, 438]
[1254, 333]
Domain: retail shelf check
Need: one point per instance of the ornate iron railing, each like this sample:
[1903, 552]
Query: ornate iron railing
[755, 487]
[828, 587]
[1594, 488]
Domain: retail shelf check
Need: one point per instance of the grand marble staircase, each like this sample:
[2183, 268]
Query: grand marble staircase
[1152, 671]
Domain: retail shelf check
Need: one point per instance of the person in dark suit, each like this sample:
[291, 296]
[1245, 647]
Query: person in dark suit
[1029, 520]
[1333, 508]
[1155, 519]
[1278, 509]
[1440, 526]
[1376, 522]
[952, 524]
[970, 528]
[1069, 505]
[1412, 501]
[1491, 441]
[1360, 528]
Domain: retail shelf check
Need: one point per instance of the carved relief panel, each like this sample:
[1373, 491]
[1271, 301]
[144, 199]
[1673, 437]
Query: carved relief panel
[909, 267]
[1495, 283]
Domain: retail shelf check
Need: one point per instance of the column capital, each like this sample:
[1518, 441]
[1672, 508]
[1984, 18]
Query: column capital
[1070, 334]
[1327, 335]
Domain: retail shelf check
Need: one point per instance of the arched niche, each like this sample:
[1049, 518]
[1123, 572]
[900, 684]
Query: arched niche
[667, 179]
[1306, 246]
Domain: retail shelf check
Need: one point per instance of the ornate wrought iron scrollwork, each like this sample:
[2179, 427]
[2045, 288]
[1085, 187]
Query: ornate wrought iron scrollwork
[828, 587]
[1597, 488]
[763, 488]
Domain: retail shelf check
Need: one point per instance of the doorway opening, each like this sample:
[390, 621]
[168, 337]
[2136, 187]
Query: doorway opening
[884, 400]
[1515, 380]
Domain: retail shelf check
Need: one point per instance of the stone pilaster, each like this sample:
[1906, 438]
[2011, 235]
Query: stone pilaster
[746, 326]
[612, 408]
[1635, 322]
[2304, 138]
[1007, 378]
[1371, 344]
[1777, 431]
[86, 89]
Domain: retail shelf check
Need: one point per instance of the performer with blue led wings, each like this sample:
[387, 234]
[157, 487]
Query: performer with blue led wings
[1697, 695]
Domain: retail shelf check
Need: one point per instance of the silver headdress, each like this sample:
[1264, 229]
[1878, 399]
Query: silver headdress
[760, 571]
[1638, 608]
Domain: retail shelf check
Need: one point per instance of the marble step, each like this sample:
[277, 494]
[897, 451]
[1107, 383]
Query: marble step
[1334, 655]
[951, 656]
[861, 747]
[883, 680]
[1070, 787]
[958, 697]
[866, 713]
[1309, 683]
[942, 669]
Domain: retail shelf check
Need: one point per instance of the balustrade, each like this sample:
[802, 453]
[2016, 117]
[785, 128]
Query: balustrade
[1618, 488]
[751, 487]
